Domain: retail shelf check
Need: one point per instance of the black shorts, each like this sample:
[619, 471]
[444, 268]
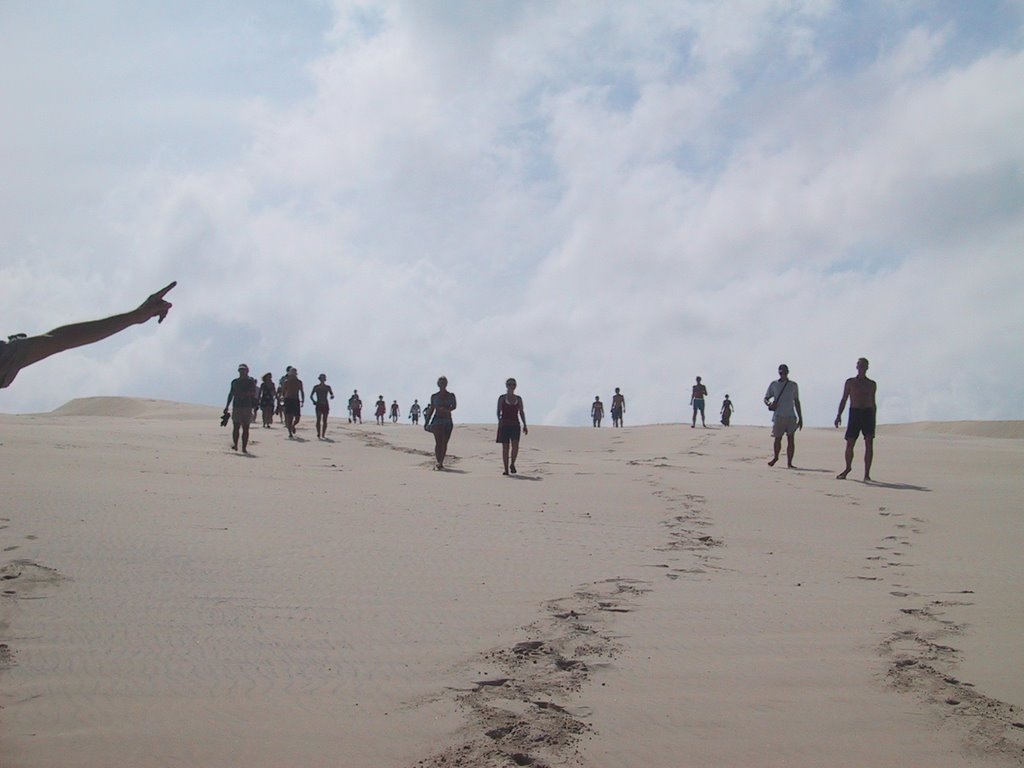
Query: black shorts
[291, 406]
[508, 433]
[861, 422]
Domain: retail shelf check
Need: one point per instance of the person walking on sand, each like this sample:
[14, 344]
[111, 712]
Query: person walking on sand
[597, 411]
[510, 411]
[294, 397]
[242, 394]
[280, 396]
[860, 391]
[21, 351]
[697, 395]
[394, 412]
[380, 410]
[437, 418]
[414, 412]
[727, 410]
[783, 400]
[618, 408]
[319, 395]
[268, 399]
[355, 407]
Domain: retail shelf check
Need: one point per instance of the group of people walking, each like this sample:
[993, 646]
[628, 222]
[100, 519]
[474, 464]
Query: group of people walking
[618, 409]
[246, 400]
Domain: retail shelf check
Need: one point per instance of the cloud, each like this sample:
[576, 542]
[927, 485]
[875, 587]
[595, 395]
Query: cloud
[583, 196]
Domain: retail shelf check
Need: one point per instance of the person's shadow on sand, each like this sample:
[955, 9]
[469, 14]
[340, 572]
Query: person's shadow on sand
[535, 478]
[897, 486]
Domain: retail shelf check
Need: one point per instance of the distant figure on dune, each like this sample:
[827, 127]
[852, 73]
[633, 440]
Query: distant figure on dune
[510, 411]
[381, 409]
[355, 407]
[242, 394]
[21, 351]
[697, 395]
[280, 390]
[437, 418]
[597, 411]
[618, 408]
[783, 400]
[294, 397]
[319, 395]
[414, 412]
[268, 399]
[394, 412]
[727, 410]
[860, 390]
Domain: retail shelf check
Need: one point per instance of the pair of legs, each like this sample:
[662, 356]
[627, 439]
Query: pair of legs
[597, 422]
[291, 415]
[442, 434]
[509, 452]
[321, 421]
[268, 415]
[869, 454]
[698, 405]
[787, 427]
[240, 424]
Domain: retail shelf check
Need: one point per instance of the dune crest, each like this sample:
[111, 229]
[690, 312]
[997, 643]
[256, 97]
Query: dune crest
[133, 407]
[999, 429]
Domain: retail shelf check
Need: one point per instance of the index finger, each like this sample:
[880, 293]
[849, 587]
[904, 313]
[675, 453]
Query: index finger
[163, 291]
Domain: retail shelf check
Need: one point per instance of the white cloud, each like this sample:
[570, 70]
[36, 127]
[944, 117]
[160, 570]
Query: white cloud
[582, 195]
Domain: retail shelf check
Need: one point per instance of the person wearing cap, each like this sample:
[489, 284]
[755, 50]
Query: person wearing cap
[783, 400]
[294, 397]
[242, 395]
[319, 395]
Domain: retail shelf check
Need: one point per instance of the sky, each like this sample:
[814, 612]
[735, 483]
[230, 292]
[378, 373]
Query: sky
[582, 195]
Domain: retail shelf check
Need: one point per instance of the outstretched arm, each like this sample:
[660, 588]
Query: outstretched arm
[79, 334]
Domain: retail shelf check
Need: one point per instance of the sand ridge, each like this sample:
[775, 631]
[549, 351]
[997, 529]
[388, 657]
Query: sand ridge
[632, 596]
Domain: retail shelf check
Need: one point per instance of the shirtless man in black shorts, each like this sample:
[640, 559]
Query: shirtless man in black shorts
[293, 396]
[860, 390]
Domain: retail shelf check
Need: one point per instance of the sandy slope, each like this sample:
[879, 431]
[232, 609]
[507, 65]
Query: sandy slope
[650, 596]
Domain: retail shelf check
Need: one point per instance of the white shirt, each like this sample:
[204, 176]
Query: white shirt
[785, 398]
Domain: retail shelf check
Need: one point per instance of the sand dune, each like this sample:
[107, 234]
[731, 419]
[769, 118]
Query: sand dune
[1000, 429]
[651, 596]
[132, 407]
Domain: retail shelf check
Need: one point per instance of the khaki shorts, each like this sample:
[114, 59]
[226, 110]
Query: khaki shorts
[784, 425]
